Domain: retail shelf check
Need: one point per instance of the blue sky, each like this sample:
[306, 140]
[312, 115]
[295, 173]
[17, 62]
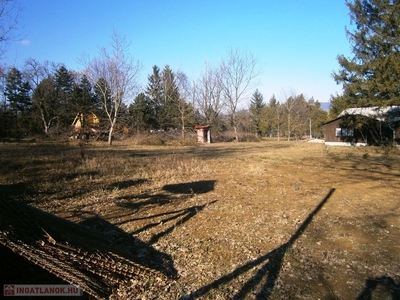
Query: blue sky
[296, 42]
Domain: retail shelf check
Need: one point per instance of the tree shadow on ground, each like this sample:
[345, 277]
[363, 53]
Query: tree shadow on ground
[196, 187]
[180, 217]
[385, 282]
[263, 282]
[126, 184]
[370, 166]
[183, 190]
[29, 190]
[177, 217]
[136, 202]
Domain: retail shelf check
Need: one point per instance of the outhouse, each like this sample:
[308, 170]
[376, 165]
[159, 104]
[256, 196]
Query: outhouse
[203, 134]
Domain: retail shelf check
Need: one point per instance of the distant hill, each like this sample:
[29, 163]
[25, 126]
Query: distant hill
[325, 105]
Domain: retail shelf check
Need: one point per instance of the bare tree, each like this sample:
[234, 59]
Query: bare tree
[208, 95]
[296, 111]
[36, 71]
[239, 72]
[9, 17]
[277, 110]
[44, 99]
[114, 75]
[186, 113]
[288, 100]
[273, 117]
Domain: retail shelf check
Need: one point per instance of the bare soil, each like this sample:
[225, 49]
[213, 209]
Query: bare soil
[276, 220]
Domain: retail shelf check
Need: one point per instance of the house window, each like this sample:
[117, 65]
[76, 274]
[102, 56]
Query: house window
[344, 132]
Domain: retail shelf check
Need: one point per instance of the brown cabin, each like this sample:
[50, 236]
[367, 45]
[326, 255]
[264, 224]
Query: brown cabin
[386, 118]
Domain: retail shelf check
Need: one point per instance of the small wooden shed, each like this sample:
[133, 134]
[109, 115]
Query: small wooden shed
[203, 133]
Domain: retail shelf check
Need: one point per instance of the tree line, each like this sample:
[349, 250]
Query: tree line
[45, 98]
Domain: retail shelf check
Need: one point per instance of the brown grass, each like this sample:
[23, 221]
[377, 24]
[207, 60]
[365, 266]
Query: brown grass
[278, 220]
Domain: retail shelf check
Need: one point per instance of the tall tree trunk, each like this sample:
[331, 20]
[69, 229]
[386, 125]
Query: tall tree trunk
[236, 133]
[183, 128]
[111, 131]
[279, 133]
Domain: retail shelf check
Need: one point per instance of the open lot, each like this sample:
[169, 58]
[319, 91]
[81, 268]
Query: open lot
[277, 220]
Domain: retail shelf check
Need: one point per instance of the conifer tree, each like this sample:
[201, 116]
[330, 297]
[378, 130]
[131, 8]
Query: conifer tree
[141, 113]
[169, 116]
[154, 92]
[17, 92]
[64, 81]
[274, 115]
[84, 99]
[257, 105]
[46, 102]
[372, 76]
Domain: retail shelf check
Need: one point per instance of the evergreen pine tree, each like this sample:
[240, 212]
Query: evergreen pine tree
[154, 92]
[88, 100]
[372, 76]
[64, 81]
[141, 113]
[45, 102]
[275, 117]
[17, 92]
[257, 105]
[83, 99]
[169, 116]
[19, 101]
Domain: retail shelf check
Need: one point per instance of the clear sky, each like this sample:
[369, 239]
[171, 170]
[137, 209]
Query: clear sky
[296, 41]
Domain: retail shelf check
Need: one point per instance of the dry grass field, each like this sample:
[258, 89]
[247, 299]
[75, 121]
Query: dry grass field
[262, 220]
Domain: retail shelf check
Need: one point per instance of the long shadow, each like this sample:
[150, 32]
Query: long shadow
[137, 202]
[355, 163]
[126, 184]
[196, 187]
[268, 272]
[183, 190]
[372, 283]
[180, 216]
[28, 190]
[187, 214]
